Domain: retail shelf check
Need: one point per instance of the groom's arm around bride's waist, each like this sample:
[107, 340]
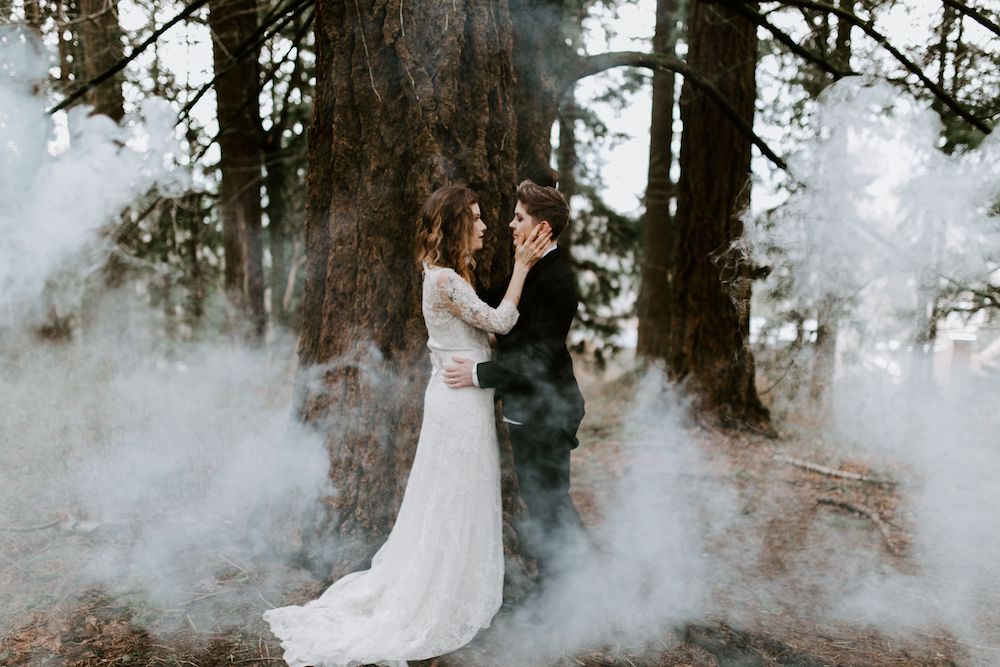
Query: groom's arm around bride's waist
[536, 352]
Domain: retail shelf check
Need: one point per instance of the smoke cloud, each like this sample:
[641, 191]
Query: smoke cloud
[883, 223]
[164, 465]
[153, 465]
[57, 196]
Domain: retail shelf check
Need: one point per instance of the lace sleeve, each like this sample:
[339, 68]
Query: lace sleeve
[461, 300]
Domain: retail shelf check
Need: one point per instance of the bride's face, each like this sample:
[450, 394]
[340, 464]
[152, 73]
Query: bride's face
[521, 224]
[478, 227]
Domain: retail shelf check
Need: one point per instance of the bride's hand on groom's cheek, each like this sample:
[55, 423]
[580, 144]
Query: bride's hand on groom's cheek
[531, 249]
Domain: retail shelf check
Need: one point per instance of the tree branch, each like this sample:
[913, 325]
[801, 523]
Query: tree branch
[831, 472]
[296, 41]
[975, 15]
[590, 65]
[894, 547]
[267, 29]
[883, 41]
[792, 45]
[136, 52]
[282, 120]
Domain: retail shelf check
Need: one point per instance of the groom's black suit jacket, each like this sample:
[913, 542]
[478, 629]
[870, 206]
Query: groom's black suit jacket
[533, 372]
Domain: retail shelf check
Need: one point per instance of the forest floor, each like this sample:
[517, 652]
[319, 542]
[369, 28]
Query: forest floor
[790, 508]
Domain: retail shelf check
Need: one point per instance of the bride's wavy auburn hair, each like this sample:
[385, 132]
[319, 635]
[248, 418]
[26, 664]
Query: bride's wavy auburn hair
[445, 230]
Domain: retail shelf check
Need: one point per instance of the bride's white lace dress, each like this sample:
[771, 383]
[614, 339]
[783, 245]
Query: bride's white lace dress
[438, 579]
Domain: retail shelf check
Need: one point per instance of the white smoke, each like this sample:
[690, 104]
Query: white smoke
[136, 463]
[643, 571]
[879, 205]
[883, 220]
[56, 197]
[180, 465]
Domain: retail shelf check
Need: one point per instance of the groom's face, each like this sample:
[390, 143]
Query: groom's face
[522, 223]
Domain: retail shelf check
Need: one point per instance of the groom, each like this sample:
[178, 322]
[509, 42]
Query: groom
[533, 375]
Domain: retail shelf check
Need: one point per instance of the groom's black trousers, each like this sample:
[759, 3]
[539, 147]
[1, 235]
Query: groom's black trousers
[552, 524]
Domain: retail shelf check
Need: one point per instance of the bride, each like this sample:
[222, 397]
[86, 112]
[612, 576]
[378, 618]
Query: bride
[438, 579]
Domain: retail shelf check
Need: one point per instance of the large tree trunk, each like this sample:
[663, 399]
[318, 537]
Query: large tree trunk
[407, 99]
[241, 163]
[101, 41]
[657, 224]
[709, 296]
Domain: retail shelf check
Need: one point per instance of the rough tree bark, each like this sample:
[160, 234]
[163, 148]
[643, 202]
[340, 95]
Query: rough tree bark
[101, 42]
[408, 98]
[657, 224]
[709, 296]
[241, 163]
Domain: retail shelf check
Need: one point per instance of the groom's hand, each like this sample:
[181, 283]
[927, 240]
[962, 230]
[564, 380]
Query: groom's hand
[460, 374]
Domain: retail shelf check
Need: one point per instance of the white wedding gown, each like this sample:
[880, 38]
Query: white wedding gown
[438, 579]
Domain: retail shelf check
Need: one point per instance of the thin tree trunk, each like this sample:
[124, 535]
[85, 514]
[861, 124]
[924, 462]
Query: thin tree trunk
[842, 46]
[67, 54]
[408, 98]
[194, 217]
[829, 308]
[710, 291]
[32, 14]
[278, 238]
[101, 42]
[241, 163]
[657, 224]
[566, 161]
[540, 55]
[824, 349]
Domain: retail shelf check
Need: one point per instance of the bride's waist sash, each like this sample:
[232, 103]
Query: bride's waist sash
[441, 357]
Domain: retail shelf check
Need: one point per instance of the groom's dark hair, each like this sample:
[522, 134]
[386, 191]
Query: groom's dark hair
[544, 203]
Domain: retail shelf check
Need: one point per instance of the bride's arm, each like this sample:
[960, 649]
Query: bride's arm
[461, 299]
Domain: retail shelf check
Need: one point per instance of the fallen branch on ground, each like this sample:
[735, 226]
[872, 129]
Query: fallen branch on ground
[871, 514]
[69, 525]
[29, 529]
[831, 472]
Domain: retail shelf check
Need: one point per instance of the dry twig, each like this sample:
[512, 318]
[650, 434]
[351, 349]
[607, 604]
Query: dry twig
[831, 472]
[871, 514]
[30, 529]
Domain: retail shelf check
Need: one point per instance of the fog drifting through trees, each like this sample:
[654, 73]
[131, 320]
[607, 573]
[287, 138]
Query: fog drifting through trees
[884, 219]
[191, 456]
[174, 458]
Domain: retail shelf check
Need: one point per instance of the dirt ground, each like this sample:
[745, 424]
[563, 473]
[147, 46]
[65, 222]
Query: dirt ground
[800, 513]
